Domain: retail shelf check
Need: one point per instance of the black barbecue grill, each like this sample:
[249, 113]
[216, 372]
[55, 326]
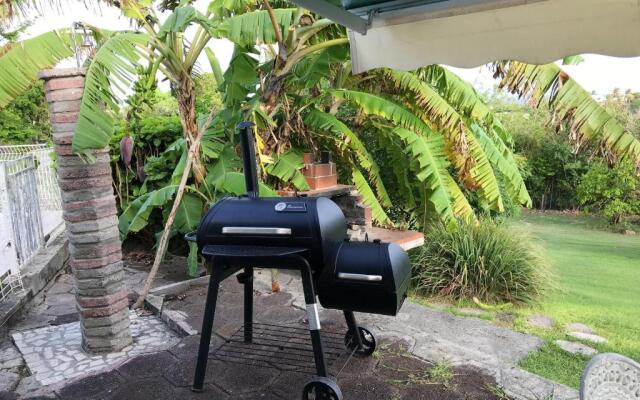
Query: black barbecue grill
[305, 234]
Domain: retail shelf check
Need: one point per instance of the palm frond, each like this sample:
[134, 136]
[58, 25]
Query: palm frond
[111, 72]
[22, 62]
[571, 103]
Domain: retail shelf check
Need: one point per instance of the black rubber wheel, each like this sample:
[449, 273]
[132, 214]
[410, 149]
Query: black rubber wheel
[368, 342]
[321, 388]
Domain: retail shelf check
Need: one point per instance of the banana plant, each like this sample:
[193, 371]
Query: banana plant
[587, 120]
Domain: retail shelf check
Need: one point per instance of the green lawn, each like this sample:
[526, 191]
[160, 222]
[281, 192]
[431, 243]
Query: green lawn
[597, 279]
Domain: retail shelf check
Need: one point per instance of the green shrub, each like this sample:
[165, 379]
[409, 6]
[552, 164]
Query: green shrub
[612, 192]
[492, 262]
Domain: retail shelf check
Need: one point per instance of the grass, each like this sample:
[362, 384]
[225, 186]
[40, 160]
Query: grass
[441, 373]
[597, 274]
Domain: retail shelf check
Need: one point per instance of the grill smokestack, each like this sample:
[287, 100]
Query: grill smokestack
[249, 158]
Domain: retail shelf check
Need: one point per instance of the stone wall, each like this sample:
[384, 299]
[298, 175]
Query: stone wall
[89, 211]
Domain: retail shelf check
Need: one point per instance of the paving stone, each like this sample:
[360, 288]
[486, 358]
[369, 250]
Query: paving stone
[588, 337]
[541, 321]
[209, 392]
[578, 327]
[234, 378]
[28, 384]
[576, 348]
[8, 396]
[148, 389]
[60, 287]
[65, 319]
[61, 310]
[261, 396]
[8, 381]
[181, 374]
[92, 387]
[188, 347]
[56, 299]
[10, 357]
[289, 385]
[147, 365]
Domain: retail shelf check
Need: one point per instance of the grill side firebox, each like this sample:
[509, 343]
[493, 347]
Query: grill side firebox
[305, 234]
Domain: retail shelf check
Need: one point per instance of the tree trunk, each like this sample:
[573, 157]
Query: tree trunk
[187, 108]
[193, 136]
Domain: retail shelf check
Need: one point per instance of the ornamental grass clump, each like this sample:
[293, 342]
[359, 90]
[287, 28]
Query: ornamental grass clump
[494, 263]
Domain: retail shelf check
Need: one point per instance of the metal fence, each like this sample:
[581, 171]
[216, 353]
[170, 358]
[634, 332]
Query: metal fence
[46, 178]
[30, 208]
[24, 207]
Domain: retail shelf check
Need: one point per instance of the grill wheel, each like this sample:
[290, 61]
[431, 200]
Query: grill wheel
[368, 342]
[322, 389]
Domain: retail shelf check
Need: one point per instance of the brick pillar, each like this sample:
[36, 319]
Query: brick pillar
[89, 211]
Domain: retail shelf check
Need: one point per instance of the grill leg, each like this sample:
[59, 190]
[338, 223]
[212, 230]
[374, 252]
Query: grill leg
[353, 327]
[248, 305]
[207, 326]
[314, 321]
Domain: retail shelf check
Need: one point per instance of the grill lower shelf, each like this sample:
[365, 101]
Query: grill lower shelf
[282, 347]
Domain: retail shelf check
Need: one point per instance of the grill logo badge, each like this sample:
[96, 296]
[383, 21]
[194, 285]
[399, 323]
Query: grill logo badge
[281, 206]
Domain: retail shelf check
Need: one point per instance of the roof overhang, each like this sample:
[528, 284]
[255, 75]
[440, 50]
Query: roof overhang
[407, 34]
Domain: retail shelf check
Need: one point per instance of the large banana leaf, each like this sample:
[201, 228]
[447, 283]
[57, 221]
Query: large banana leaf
[428, 151]
[369, 198]
[286, 167]
[376, 105]
[235, 184]
[180, 19]
[312, 69]
[226, 163]
[461, 207]
[398, 164]
[463, 148]
[188, 214]
[459, 93]
[571, 103]
[255, 27]
[507, 167]
[111, 73]
[323, 121]
[136, 216]
[23, 60]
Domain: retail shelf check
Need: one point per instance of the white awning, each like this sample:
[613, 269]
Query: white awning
[468, 33]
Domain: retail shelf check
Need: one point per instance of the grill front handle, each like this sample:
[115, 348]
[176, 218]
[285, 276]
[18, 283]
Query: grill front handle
[255, 230]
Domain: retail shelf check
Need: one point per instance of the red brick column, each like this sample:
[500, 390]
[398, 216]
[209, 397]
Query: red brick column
[89, 211]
